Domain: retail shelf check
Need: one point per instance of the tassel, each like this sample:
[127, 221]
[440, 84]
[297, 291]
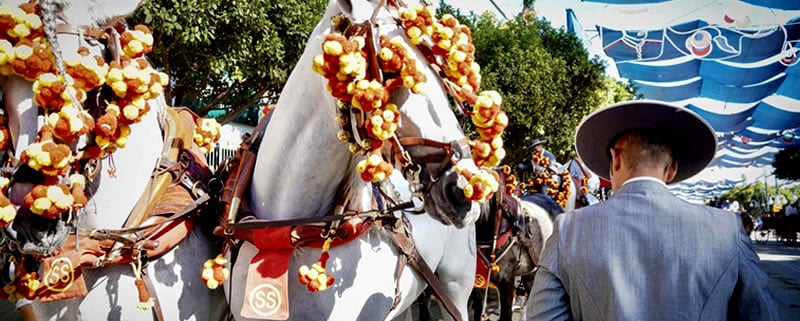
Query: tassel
[215, 272]
[316, 277]
[145, 302]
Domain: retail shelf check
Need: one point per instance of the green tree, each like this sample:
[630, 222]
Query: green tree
[756, 197]
[546, 77]
[787, 163]
[227, 55]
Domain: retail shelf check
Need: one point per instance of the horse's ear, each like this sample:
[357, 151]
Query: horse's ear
[358, 10]
[346, 6]
[116, 9]
[101, 12]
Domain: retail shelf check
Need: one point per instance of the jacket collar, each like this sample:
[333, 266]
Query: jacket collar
[643, 185]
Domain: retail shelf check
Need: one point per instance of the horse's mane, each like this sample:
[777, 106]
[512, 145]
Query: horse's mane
[545, 202]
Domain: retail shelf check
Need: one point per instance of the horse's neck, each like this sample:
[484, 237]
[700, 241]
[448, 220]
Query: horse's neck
[117, 194]
[300, 162]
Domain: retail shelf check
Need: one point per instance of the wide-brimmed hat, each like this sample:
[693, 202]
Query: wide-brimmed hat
[536, 142]
[694, 141]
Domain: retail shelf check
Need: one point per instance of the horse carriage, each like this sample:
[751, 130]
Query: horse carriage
[311, 226]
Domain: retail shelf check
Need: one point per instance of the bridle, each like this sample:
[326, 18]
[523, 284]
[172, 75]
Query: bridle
[412, 153]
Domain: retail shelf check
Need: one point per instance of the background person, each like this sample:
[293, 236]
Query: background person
[645, 254]
[542, 161]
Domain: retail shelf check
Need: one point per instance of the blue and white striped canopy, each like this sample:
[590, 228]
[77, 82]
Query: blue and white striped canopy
[734, 62]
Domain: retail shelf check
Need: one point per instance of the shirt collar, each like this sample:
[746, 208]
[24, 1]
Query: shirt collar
[645, 178]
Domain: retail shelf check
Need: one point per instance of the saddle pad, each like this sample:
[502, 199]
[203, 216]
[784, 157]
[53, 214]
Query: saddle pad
[266, 292]
[483, 264]
[481, 274]
[62, 278]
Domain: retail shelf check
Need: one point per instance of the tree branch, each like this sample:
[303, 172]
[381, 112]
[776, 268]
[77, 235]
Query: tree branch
[239, 107]
[219, 97]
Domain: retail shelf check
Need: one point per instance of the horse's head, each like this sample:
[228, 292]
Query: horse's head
[95, 13]
[429, 142]
[68, 23]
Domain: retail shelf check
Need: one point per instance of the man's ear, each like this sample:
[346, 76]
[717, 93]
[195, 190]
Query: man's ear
[616, 160]
[671, 171]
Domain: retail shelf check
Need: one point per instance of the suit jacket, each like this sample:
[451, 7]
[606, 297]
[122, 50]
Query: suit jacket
[647, 255]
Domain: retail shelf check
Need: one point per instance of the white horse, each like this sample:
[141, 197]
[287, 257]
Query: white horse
[301, 163]
[112, 294]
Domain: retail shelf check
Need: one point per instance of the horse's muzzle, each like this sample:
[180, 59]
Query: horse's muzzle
[445, 201]
[35, 235]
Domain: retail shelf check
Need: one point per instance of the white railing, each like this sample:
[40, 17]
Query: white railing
[218, 155]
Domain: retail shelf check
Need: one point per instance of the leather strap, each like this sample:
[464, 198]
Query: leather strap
[255, 223]
[236, 185]
[408, 249]
[158, 313]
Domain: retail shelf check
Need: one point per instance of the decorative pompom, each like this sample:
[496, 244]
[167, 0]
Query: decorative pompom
[374, 169]
[207, 132]
[215, 272]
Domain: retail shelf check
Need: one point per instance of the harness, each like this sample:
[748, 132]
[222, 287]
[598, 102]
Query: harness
[508, 226]
[161, 218]
[409, 152]
[340, 226]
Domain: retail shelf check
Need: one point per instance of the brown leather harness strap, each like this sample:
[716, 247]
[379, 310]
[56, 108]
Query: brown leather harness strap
[406, 245]
[158, 313]
[236, 185]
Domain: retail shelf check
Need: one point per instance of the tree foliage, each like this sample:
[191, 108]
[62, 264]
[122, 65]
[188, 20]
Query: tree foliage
[756, 198]
[546, 77]
[787, 163]
[227, 54]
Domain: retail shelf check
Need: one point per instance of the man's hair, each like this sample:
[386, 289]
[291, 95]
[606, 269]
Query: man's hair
[645, 148]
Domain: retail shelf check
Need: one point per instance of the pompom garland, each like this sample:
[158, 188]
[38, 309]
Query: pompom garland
[344, 65]
[69, 123]
[374, 169]
[137, 42]
[341, 63]
[383, 122]
[20, 22]
[33, 58]
[24, 51]
[482, 184]
[7, 211]
[559, 192]
[46, 156]
[395, 58]
[49, 201]
[418, 22]
[88, 72]
[6, 57]
[52, 92]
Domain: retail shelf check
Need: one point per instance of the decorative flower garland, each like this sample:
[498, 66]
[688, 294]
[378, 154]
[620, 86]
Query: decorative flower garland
[344, 64]
[559, 192]
[25, 52]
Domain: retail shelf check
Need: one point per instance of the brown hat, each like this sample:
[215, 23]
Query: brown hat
[697, 140]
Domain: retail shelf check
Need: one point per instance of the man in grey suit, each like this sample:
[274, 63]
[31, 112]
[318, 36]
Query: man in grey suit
[645, 254]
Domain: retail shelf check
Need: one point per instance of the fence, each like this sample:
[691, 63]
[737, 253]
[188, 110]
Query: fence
[218, 155]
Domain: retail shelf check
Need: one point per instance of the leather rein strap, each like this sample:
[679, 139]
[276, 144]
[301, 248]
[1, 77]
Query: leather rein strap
[409, 250]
